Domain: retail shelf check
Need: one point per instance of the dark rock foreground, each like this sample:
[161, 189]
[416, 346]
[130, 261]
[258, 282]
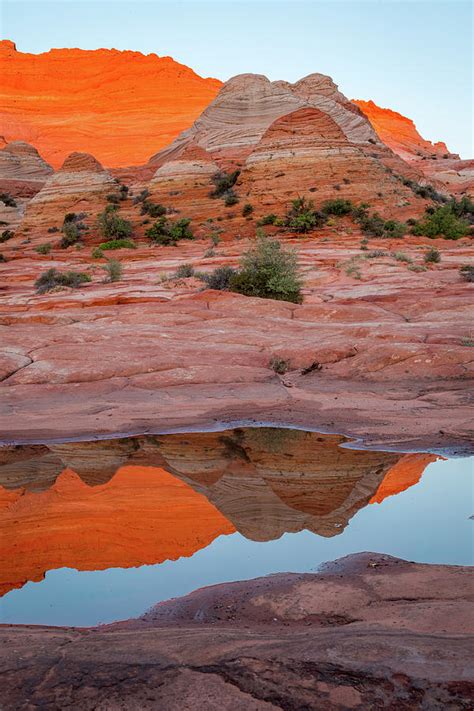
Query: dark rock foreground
[368, 632]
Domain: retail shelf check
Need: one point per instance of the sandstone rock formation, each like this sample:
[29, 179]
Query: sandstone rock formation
[119, 106]
[368, 631]
[434, 160]
[79, 186]
[23, 172]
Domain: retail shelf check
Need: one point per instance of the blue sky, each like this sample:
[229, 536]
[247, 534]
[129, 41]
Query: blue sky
[414, 56]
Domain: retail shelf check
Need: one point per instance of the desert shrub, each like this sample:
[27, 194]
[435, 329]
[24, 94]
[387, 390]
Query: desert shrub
[97, 253]
[279, 365]
[268, 271]
[153, 209]
[112, 226]
[167, 232]
[401, 257]
[247, 209]
[467, 272]
[372, 225]
[230, 198]
[118, 244]
[427, 192]
[417, 267]
[267, 220]
[219, 279]
[223, 183]
[124, 190]
[7, 200]
[44, 248]
[113, 198]
[211, 252]
[113, 269]
[141, 196]
[352, 270]
[3, 259]
[395, 229]
[52, 278]
[432, 256]
[302, 217]
[184, 271]
[377, 253]
[71, 234]
[337, 207]
[463, 208]
[443, 221]
[51, 230]
[6, 235]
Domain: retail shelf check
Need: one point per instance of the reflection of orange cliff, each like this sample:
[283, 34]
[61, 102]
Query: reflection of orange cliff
[405, 473]
[142, 516]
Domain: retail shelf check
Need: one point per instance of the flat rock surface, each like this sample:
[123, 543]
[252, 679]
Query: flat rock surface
[369, 631]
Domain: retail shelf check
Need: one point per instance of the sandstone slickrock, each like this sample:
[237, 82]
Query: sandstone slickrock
[23, 172]
[367, 631]
[119, 106]
[434, 160]
[80, 185]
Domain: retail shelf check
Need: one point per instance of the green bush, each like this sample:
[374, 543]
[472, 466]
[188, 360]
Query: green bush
[113, 198]
[118, 244]
[97, 253]
[302, 217]
[267, 220]
[219, 279]
[112, 226]
[432, 256]
[401, 257]
[247, 209]
[166, 232]
[44, 248]
[338, 207]
[377, 253]
[223, 183]
[269, 272]
[153, 209]
[141, 196]
[279, 365]
[184, 271]
[113, 269]
[230, 198]
[71, 234]
[52, 278]
[443, 221]
[395, 229]
[467, 272]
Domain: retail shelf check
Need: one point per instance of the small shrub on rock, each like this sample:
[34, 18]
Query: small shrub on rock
[442, 222]
[44, 248]
[118, 244]
[247, 209]
[432, 256]
[6, 235]
[267, 220]
[219, 279]
[97, 253]
[114, 270]
[467, 272]
[167, 232]
[112, 226]
[51, 230]
[7, 200]
[223, 183]
[338, 207]
[269, 272]
[184, 271]
[302, 217]
[51, 279]
[279, 365]
[152, 209]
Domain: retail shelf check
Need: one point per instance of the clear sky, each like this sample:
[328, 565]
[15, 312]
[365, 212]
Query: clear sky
[414, 56]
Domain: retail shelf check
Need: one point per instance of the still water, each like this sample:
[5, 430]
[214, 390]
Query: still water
[100, 531]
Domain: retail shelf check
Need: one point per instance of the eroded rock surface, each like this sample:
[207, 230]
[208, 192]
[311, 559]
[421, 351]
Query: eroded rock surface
[367, 631]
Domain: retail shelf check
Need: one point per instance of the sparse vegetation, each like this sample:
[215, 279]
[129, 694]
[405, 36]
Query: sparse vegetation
[267, 220]
[112, 226]
[417, 268]
[117, 244]
[230, 198]
[374, 253]
[432, 256]
[447, 221]
[269, 272]
[141, 196]
[247, 209]
[184, 271]
[152, 209]
[467, 272]
[219, 279]
[71, 234]
[113, 269]
[223, 185]
[51, 230]
[302, 217]
[338, 207]
[97, 253]
[44, 248]
[279, 365]
[52, 279]
[402, 257]
[167, 232]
